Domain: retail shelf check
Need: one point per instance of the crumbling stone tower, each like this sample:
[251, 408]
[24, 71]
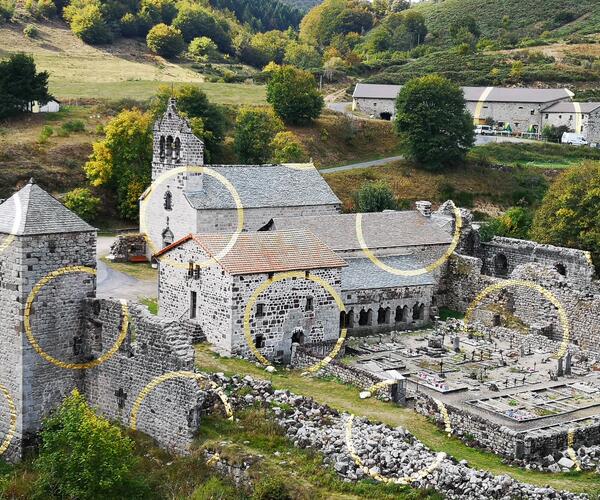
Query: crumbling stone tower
[38, 236]
[174, 145]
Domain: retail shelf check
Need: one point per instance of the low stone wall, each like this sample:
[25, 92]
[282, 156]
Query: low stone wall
[153, 347]
[529, 447]
[303, 357]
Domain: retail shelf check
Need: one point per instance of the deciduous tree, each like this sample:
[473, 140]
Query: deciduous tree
[293, 94]
[165, 41]
[432, 117]
[570, 212]
[255, 130]
[122, 161]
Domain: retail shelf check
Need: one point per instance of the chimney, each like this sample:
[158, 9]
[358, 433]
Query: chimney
[424, 207]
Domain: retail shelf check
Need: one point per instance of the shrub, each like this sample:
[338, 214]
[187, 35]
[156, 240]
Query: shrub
[165, 41]
[554, 134]
[83, 203]
[202, 49]
[46, 8]
[375, 196]
[88, 23]
[30, 31]
[46, 133]
[293, 94]
[84, 456]
[7, 9]
[271, 488]
[287, 148]
[72, 126]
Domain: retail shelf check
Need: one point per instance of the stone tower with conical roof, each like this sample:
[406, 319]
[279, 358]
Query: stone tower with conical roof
[43, 247]
[174, 145]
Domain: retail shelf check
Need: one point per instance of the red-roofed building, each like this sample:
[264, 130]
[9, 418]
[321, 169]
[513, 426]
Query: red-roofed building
[210, 279]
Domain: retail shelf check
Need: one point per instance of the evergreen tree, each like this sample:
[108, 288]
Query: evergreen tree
[20, 84]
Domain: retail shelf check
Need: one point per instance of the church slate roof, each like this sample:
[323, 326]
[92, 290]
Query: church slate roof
[266, 251]
[388, 229]
[264, 186]
[362, 274]
[33, 211]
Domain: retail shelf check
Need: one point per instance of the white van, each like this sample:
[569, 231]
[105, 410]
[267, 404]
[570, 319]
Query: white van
[574, 139]
[484, 130]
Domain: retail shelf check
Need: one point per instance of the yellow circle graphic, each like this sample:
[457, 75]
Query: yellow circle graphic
[562, 313]
[174, 375]
[280, 277]
[411, 272]
[445, 416]
[192, 170]
[16, 223]
[12, 409]
[571, 452]
[406, 480]
[61, 364]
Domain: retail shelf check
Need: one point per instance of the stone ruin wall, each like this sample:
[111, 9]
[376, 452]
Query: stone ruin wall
[170, 413]
[577, 264]
[464, 281]
[530, 446]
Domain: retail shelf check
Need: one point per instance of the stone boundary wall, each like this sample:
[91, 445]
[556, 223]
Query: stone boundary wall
[528, 446]
[576, 265]
[303, 357]
[153, 347]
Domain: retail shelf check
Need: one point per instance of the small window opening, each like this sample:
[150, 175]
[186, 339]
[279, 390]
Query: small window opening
[309, 304]
[260, 310]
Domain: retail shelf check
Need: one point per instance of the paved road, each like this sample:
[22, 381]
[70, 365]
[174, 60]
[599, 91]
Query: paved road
[479, 140]
[116, 284]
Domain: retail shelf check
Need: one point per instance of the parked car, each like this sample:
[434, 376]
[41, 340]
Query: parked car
[484, 130]
[573, 139]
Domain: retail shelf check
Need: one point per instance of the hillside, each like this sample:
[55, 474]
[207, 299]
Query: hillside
[302, 5]
[525, 18]
[125, 69]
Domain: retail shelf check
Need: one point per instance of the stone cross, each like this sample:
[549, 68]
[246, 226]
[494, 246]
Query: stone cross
[568, 361]
[121, 397]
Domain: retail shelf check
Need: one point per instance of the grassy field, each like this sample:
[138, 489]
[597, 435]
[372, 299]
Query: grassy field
[125, 69]
[539, 155]
[345, 398]
[481, 187]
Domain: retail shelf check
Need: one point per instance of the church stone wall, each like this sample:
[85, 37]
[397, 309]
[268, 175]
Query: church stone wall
[388, 298]
[285, 312]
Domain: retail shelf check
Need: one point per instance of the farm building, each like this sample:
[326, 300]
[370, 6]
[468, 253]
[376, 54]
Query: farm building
[581, 117]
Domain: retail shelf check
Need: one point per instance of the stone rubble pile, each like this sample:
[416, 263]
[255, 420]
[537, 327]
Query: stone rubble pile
[390, 453]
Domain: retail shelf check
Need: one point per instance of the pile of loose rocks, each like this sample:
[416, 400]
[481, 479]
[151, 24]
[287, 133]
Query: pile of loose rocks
[383, 451]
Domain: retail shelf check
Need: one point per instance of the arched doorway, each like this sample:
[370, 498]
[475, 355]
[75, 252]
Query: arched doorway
[385, 116]
[501, 265]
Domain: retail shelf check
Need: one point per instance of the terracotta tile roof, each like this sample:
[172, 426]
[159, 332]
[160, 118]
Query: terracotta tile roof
[266, 251]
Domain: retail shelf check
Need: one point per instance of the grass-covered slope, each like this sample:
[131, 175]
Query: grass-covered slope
[526, 18]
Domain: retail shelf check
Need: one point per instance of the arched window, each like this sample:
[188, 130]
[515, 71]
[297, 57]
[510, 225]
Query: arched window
[168, 201]
[561, 269]
[415, 312]
[177, 151]
[162, 146]
[298, 337]
[167, 237]
[350, 319]
[501, 265]
[169, 149]
[422, 311]
[405, 312]
[343, 320]
[363, 318]
[381, 316]
[398, 317]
